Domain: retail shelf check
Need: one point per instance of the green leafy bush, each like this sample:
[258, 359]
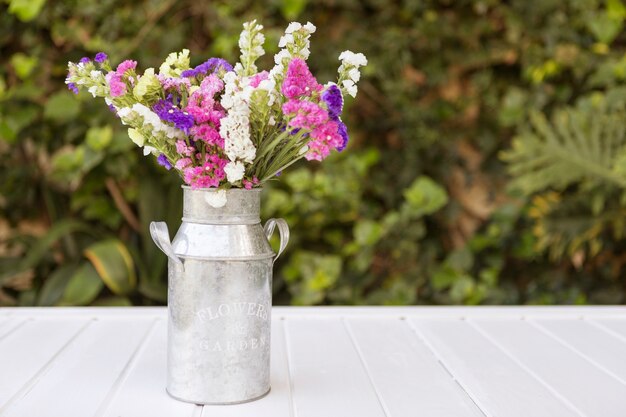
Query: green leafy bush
[486, 162]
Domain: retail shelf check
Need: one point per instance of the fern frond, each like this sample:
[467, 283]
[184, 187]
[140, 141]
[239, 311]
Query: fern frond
[576, 146]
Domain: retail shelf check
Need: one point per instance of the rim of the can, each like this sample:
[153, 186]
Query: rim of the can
[256, 189]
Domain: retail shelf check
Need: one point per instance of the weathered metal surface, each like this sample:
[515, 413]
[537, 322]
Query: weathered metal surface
[219, 298]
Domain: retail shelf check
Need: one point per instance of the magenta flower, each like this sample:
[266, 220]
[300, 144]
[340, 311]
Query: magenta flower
[208, 174]
[256, 79]
[299, 82]
[116, 85]
[125, 66]
[306, 115]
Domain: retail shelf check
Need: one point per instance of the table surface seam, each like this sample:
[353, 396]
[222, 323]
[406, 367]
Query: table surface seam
[526, 369]
[421, 337]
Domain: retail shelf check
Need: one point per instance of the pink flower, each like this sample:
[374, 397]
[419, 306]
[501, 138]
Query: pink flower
[306, 115]
[323, 139]
[248, 184]
[116, 85]
[299, 82]
[183, 163]
[256, 79]
[211, 85]
[125, 66]
[208, 134]
[183, 149]
[170, 83]
[209, 174]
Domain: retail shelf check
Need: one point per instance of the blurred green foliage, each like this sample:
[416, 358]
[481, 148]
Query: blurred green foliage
[487, 161]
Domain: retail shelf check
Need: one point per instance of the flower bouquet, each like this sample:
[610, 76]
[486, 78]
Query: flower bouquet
[220, 126]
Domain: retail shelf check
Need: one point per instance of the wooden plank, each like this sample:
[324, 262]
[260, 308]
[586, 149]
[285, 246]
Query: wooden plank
[495, 381]
[146, 379]
[406, 374]
[4, 321]
[81, 377]
[617, 327]
[328, 377]
[278, 402]
[591, 342]
[585, 386]
[11, 326]
[25, 356]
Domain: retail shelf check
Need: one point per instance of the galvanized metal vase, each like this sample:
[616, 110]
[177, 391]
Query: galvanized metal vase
[219, 297]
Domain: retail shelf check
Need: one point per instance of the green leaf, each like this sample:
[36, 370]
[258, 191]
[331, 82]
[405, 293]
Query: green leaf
[21, 117]
[291, 9]
[42, 246]
[23, 64]
[313, 274]
[605, 27]
[61, 107]
[615, 9]
[577, 145]
[114, 301]
[114, 264]
[99, 138]
[26, 10]
[367, 232]
[54, 286]
[7, 134]
[425, 196]
[83, 287]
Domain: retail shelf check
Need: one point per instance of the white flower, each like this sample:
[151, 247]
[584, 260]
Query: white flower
[310, 27]
[95, 75]
[350, 58]
[285, 39]
[251, 43]
[292, 27]
[354, 75]
[93, 90]
[175, 63]
[147, 150]
[216, 198]
[136, 137]
[124, 113]
[234, 171]
[350, 87]
[281, 56]
[235, 127]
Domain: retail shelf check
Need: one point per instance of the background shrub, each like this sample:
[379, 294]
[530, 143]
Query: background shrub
[486, 165]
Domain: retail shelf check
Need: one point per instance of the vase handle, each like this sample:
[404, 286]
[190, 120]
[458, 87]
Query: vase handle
[161, 237]
[283, 229]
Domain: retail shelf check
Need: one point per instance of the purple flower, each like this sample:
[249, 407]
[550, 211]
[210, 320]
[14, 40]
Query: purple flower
[84, 60]
[113, 109]
[334, 101]
[343, 132]
[211, 65]
[170, 113]
[188, 73]
[162, 160]
[101, 57]
[72, 87]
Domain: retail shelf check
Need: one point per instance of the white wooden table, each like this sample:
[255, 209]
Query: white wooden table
[344, 362]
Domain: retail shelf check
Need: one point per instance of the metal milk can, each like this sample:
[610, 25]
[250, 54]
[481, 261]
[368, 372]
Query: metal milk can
[219, 297]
